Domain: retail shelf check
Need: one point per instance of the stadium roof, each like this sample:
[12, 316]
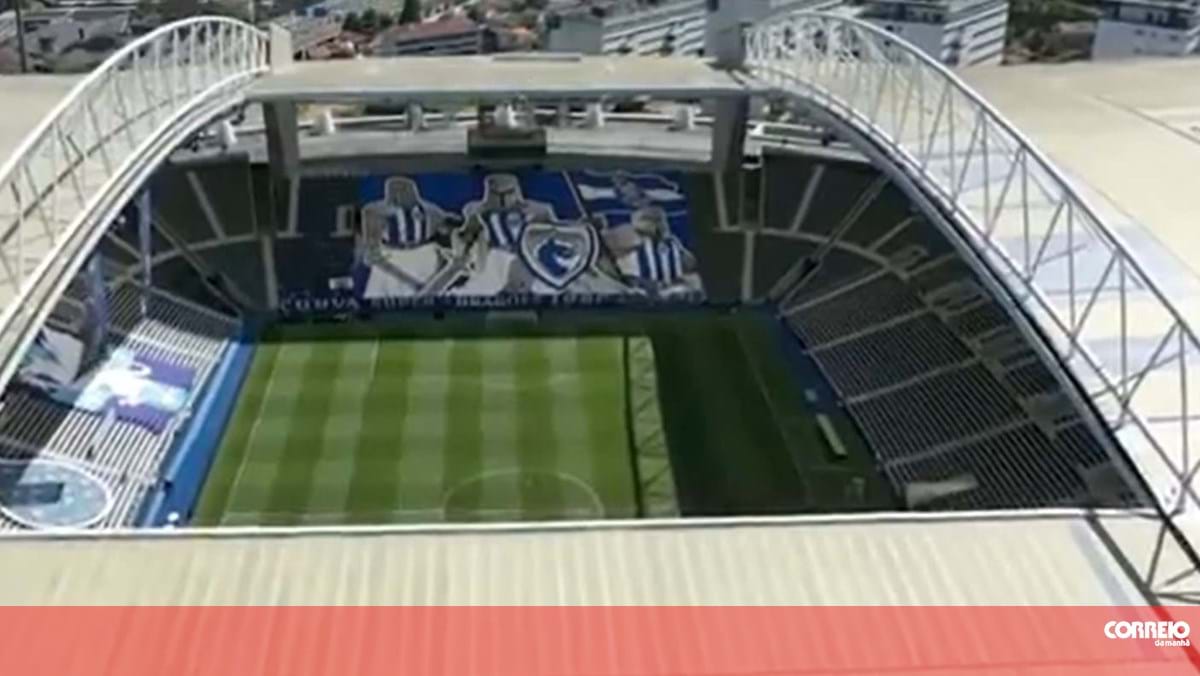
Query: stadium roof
[1031, 558]
[37, 94]
[1129, 131]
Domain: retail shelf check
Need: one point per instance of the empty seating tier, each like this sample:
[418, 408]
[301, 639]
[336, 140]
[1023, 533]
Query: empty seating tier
[856, 308]
[125, 455]
[891, 355]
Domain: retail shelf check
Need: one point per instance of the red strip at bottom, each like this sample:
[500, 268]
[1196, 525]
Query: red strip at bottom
[595, 641]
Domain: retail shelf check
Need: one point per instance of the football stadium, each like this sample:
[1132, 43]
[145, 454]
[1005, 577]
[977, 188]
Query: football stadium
[820, 300]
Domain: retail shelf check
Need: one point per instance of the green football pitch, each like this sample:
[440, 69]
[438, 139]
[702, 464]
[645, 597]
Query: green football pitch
[574, 416]
[377, 430]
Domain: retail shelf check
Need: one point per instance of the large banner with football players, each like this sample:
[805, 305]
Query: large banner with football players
[491, 239]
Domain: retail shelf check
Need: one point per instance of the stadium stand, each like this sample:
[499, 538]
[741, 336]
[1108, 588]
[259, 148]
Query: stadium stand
[958, 414]
[126, 456]
[839, 268]
[324, 256]
[876, 300]
[718, 252]
[958, 409]
[208, 213]
[892, 354]
[954, 404]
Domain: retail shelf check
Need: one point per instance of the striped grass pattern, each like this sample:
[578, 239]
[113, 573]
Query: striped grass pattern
[387, 430]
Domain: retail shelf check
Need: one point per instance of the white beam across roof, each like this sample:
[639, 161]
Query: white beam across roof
[479, 78]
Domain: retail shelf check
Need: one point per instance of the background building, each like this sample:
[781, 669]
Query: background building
[642, 27]
[901, 343]
[957, 32]
[70, 39]
[1147, 27]
[8, 25]
[627, 26]
[455, 35]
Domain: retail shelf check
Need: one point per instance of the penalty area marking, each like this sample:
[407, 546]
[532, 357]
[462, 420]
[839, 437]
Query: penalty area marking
[594, 510]
[432, 515]
[569, 479]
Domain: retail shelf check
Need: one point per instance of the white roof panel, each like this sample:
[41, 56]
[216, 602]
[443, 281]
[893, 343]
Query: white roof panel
[898, 560]
[1129, 133]
[28, 99]
[457, 78]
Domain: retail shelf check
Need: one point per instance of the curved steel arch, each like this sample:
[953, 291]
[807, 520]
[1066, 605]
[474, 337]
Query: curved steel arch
[1105, 318]
[68, 178]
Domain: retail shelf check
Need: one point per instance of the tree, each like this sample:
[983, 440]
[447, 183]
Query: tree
[386, 20]
[352, 23]
[411, 12]
[370, 19]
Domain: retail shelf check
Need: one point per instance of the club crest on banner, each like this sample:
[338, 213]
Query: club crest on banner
[558, 253]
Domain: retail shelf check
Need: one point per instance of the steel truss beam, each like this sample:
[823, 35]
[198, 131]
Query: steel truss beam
[1103, 317]
[1017, 209]
[57, 189]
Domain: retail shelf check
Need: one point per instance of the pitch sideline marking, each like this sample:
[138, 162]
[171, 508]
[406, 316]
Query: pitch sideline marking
[262, 405]
[338, 518]
[566, 477]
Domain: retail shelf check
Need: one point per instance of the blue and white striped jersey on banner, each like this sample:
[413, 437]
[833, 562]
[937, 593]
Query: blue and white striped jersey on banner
[616, 195]
[504, 226]
[660, 262]
[408, 226]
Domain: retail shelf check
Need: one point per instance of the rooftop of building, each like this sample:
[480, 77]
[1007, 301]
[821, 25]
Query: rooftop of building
[77, 13]
[1164, 4]
[944, 5]
[454, 25]
[605, 9]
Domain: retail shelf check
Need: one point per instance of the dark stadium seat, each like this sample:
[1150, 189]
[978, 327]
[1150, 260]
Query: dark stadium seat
[980, 320]
[877, 300]
[914, 343]
[838, 268]
[941, 409]
[1031, 379]
[892, 355]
